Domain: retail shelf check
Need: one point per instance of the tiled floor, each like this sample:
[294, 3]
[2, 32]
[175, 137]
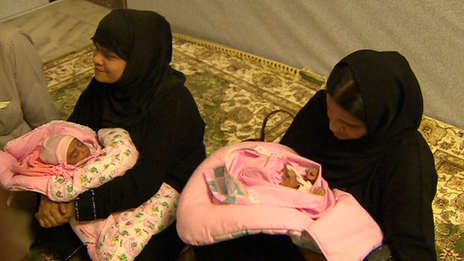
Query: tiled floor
[61, 27]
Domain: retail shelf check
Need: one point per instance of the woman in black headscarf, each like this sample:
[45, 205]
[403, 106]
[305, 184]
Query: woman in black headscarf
[136, 89]
[363, 131]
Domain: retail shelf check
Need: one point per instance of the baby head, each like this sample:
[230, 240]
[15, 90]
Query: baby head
[291, 178]
[63, 149]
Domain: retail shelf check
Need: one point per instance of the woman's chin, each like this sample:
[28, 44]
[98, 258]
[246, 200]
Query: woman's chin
[102, 79]
[340, 136]
[98, 77]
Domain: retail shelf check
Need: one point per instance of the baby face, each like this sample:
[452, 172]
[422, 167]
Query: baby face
[289, 178]
[77, 151]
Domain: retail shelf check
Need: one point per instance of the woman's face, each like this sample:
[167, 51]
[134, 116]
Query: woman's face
[108, 65]
[344, 125]
[77, 151]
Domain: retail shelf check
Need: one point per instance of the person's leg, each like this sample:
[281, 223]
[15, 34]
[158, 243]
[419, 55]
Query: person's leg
[275, 248]
[63, 240]
[258, 247]
[230, 250]
[164, 246]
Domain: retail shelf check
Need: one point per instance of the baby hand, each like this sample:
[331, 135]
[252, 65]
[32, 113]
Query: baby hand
[319, 191]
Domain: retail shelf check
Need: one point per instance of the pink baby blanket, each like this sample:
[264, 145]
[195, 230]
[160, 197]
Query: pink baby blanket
[335, 222]
[21, 168]
[120, 236]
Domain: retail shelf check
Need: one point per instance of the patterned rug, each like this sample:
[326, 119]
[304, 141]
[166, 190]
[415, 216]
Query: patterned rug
[236, 90]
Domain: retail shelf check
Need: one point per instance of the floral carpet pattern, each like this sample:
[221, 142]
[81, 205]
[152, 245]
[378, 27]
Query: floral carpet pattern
[236, 90]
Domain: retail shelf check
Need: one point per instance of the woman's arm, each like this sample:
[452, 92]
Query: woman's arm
[170, 143]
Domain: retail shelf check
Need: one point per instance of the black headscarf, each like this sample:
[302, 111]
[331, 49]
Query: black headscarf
[391, 170]
[144, 40]
[393, 106]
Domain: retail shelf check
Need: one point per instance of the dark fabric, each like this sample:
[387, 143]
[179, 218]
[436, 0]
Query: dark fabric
[64, 241]
[147, 74]
[151, 102]
[258, 247]
[156, 249]
[117, 41]
[391, 170]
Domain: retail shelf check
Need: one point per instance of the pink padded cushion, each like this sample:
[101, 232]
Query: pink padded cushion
[343, 232]
[201, 222]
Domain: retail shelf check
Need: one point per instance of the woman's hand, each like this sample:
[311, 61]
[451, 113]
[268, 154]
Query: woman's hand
[52, 214]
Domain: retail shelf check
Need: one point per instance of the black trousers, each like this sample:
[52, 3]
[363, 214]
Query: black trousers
[259, 247]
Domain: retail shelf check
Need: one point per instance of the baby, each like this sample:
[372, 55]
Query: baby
[63, 149]
[291, 179]
[62, 166]
[99, 235]
[262, 174]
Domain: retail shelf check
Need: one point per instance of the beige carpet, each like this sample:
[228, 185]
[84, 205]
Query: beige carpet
[235, 91]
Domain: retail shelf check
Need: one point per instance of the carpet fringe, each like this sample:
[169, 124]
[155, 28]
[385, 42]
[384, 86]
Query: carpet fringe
[297, 74]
